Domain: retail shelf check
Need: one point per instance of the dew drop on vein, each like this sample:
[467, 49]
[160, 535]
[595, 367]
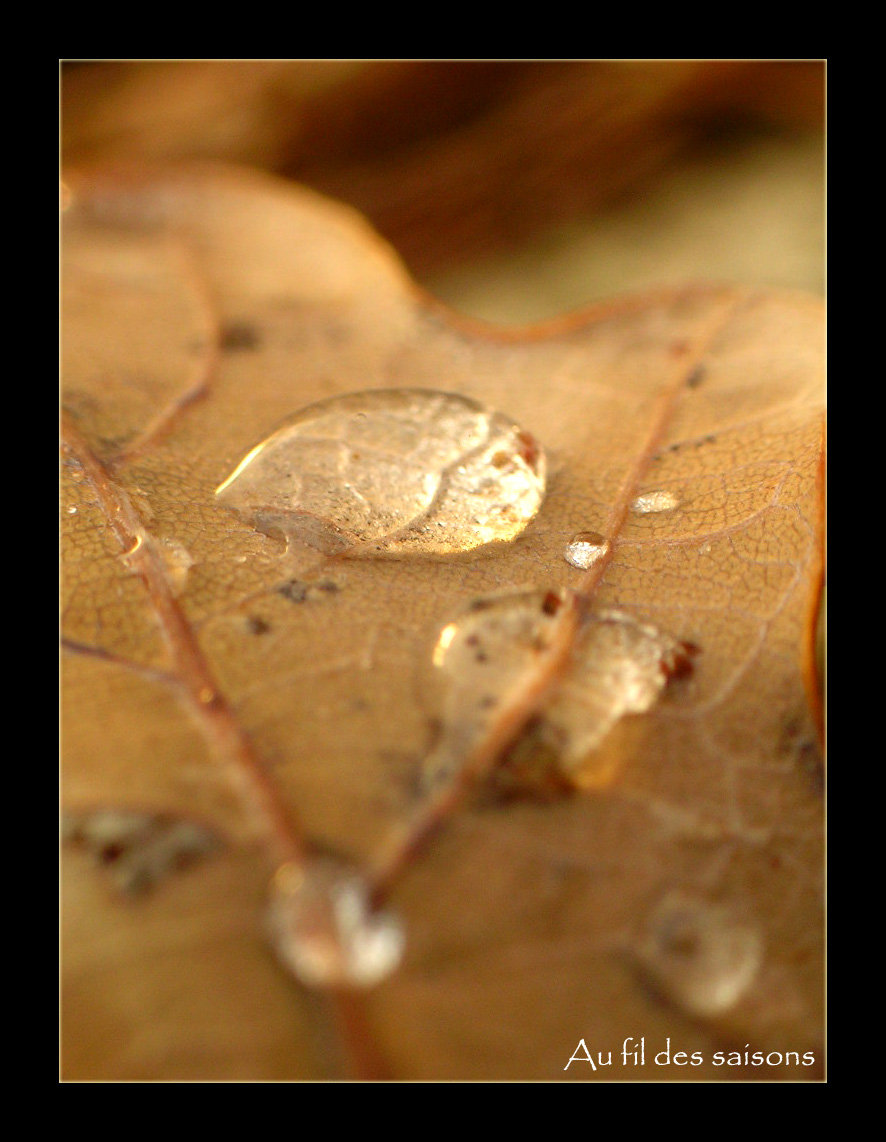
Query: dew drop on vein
[619, 666]
[480, 658]
[324, 930]
[392, 472]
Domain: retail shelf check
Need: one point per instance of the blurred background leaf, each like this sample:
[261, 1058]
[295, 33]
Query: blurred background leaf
[514, 190]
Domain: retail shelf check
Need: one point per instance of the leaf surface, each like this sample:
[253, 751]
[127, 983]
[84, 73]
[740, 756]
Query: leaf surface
[284, 698]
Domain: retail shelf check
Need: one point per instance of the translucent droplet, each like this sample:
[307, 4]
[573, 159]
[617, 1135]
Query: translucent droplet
[397, 471]
[138, 849]
[651, 502]
[482, 658]
[72, 511]
[619, 666]
[585, 549]
[324, 930]
[699, 955]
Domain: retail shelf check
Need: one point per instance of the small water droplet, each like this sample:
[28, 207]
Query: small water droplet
[72, 511]
[324, 930]
[651, 502]
[585, 549]
[699, 955]
[178, 561]
[396, 471]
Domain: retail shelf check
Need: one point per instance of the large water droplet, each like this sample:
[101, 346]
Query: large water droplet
[699, 955]
[396, 471]
[651, 502]
[323, 927]
[585, 549]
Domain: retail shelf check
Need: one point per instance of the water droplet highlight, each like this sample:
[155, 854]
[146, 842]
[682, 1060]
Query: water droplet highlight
[585, 549]
[699, 956]
[323, 928]
[393, 472]
[651, 502]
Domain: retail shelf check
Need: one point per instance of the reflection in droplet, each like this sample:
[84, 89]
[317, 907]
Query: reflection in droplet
[585, 549]
[699, 955]
[652, 502]
[323, 928]
[396, 471]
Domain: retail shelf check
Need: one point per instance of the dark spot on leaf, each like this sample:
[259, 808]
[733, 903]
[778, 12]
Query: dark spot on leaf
[138, 849]
[678, 663]
[298, 591]
[799, 743]
[551, 603]
[338, 334]
[696, 377]
[529, 449]
[239, 337]
[295, 591]
[257, 625]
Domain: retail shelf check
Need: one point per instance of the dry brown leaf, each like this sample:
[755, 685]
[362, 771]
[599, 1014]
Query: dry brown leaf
[212, 676]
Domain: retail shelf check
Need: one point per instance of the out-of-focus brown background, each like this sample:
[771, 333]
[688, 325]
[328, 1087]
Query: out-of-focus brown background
[514, 190]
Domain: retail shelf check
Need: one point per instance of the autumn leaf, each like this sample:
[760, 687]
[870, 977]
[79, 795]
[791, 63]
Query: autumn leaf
[254, 698]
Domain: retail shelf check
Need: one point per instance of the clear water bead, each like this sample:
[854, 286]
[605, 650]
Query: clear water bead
[652, 502]
[324, 930]
[585, 549]
[392, 472]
